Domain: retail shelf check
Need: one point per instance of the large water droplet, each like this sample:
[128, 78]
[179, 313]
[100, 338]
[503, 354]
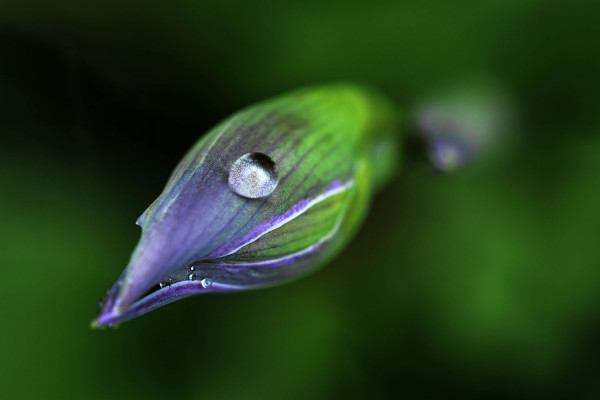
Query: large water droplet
[192, 277]
[206, 283]
[253, 175]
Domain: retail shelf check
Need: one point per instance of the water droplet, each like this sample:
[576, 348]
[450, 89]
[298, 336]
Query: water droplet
[253, 175]
[170, 281]
[192, 277]
[192, 268]
[206, 283]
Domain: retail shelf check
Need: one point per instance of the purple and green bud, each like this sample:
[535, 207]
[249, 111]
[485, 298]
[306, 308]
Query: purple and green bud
[463, 123]
[273, 192]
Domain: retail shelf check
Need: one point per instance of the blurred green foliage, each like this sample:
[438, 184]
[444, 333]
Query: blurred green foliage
[480, 283]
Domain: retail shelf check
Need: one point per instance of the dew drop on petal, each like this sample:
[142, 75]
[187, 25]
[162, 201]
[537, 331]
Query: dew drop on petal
[206, 283]
[192, 277]
[253, 175]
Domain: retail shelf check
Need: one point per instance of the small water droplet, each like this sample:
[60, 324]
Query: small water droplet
[192, 268]
[192, 277]
[253, 175]
[162, 284]
[206, 283]
[170, 281]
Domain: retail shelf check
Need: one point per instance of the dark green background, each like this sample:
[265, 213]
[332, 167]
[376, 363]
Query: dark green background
[484, 283]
